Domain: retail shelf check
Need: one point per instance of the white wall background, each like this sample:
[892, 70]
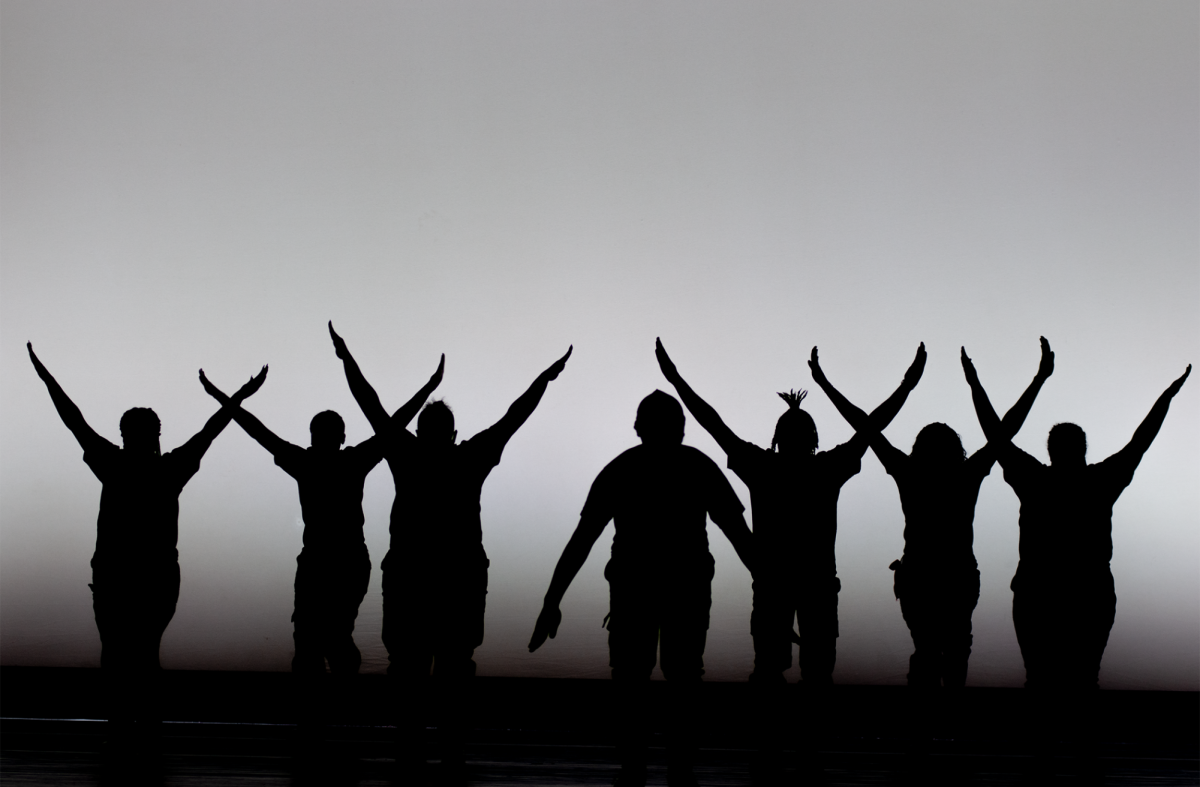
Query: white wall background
[197, 184]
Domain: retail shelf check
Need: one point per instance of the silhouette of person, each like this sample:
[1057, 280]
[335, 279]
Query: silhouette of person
[660, 576]
[794, 494]
[135, 568]
[1064, 599]
[937, 579]
[333, 567]
[435, 572]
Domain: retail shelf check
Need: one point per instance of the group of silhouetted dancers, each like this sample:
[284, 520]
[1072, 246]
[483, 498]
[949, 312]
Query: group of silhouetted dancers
[659, 495]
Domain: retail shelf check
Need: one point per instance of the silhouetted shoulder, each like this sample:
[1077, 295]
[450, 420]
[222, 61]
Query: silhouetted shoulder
[485, 449]
[366, 454]
[1021, 469]
[748, 458]
[1116, 472]
[842, 462]
[183, 463]
[293, 460]
[101, 458]
[979, 464]
[652, 475]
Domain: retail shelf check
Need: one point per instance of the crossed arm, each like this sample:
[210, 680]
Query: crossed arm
[701, 410]
[88, 438]
[254, 427]
[1000, 433]
[867, 428]
[201, 441]
[67, 410]
[368, 400]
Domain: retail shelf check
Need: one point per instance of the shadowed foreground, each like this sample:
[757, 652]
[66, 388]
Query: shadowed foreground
[235, 728]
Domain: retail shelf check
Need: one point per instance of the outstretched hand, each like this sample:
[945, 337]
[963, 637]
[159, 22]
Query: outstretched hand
[557, 367]
[1046, 367]
[814, 363]
[436, 379]
[37, 364]
[339, 344]
[1175, 386]
[664, 362]
[250, 388]
[213, 390]
[969, 368]
[913, 375]
[546, 626]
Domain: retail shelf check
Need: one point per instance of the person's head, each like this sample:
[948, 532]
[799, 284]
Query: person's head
[659, 420]
[327, 431]
[436, 423]
[938, 445]
[140, 429]
[1067, 445]
[795, 431]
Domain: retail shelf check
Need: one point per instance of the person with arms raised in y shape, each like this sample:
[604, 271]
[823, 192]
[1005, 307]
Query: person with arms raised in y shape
[1064, 597]
[937, 580]
[794, 492]
[135, 569]
[333, 567]
[435, 573]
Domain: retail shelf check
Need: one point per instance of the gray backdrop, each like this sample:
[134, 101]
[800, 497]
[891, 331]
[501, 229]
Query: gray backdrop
[206, 183]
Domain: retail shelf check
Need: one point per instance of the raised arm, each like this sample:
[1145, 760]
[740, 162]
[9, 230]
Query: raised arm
[1017, 414]
[364, 394]
[520, 410]
[409, 409]
[993, 429]
[573, 558]
[368, 400]
[67, 411]
[265, 437]
[1147, 430]
[1000, 433]
[701, 410]
[866, 427]
[200, 442]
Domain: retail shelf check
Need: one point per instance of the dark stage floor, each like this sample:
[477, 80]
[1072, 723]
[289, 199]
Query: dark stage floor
[235, 729]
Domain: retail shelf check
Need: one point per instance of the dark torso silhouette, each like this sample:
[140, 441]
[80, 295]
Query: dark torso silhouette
[658, 498]
[1066, 516]
[937, 582]
[660, 574]
[435, 574]
[135, 569]
[139, 503]
[333, 568]
[435, 526]
[939, 509]
[1064, 598]
[331, 492]
[794, 502]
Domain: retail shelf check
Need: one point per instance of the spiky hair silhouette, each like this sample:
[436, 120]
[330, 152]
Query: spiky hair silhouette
[793, 399]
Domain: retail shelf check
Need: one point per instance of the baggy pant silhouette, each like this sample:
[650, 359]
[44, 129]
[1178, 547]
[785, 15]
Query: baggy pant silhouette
[813, 604]
[658, 617]
[133, 605]
[937, 605]
[432, 621]
[1062, 627]
[329, 589]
